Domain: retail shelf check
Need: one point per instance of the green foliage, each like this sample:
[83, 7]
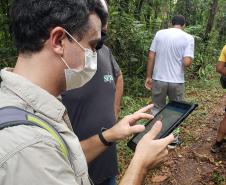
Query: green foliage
[195, 11]
[202, 66]
[218, 179]
[131, 104]
[129, 40]
[206, 55]
[7, 51]
[133, 24]
[207, 94]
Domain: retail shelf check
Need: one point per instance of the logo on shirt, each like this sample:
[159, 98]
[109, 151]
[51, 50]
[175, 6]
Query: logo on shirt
[108, 78]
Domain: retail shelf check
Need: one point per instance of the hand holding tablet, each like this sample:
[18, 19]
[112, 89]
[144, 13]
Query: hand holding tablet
[171, 117]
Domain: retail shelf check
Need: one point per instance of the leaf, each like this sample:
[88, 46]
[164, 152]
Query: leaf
[133, 59]
[159, 178]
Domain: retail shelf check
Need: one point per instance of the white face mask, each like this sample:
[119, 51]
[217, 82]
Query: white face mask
[76, 78]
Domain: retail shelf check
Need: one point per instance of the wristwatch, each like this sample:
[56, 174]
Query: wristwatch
[103, 140]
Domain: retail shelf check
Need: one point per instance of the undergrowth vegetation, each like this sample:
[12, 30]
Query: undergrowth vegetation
[207, 93]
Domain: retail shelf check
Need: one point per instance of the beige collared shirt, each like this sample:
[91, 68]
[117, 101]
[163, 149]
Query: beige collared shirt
[30, 155]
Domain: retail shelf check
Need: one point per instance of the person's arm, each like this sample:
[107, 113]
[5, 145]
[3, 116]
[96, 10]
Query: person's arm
[151, 62]
[220, 68]
[118, 94]
[189, 52]
[118, 78]
[93, 146]
[148, 154]
[150, 67]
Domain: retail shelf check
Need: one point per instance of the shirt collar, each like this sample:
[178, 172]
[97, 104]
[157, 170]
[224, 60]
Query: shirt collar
[39, 99]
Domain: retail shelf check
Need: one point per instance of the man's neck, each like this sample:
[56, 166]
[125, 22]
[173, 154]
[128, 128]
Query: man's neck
[178, 26]
[40, 71]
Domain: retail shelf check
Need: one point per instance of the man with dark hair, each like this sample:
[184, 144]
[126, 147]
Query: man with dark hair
[179, 20]
[56, 40]
[102, 108]
[171, 51]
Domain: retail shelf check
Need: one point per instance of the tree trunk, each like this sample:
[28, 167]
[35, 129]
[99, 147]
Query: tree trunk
[137, 12]
[147, 16]
[213, 11]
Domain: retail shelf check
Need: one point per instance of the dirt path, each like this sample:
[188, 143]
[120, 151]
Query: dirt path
[193, 163]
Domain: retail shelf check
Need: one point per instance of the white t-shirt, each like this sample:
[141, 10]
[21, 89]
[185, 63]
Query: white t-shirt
[170, 46]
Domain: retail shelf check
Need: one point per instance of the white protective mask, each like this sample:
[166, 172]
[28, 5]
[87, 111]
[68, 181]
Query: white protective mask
[76, 78]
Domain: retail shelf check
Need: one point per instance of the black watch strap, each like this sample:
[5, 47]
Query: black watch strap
[103, 140]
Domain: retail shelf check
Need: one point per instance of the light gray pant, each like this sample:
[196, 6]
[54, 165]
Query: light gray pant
[160, 90]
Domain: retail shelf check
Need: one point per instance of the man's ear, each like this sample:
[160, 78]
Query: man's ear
[57, 36]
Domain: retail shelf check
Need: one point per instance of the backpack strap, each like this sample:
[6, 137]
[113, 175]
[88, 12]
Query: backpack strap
[14, 116]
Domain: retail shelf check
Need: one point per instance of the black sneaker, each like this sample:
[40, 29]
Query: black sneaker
[216, 148]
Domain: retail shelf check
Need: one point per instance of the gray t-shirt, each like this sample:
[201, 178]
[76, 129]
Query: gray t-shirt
[170, 46]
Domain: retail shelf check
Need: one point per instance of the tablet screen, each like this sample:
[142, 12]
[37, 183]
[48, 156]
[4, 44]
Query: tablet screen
[169, 115]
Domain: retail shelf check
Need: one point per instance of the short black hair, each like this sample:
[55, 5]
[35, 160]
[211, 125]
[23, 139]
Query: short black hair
[32, 20]
[178, 20]
[97, 8]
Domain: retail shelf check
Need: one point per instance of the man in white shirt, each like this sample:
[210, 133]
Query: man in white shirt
[171, 50]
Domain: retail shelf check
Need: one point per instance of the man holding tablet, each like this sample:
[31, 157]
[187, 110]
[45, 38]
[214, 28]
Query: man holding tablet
[56, 42]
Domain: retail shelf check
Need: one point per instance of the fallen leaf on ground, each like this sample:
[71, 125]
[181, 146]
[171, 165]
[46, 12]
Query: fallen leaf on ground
[159, 178]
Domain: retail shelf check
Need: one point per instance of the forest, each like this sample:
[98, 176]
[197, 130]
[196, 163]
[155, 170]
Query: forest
[132, 26]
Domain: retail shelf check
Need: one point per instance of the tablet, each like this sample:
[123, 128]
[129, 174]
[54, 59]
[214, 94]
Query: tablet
[171, 116]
